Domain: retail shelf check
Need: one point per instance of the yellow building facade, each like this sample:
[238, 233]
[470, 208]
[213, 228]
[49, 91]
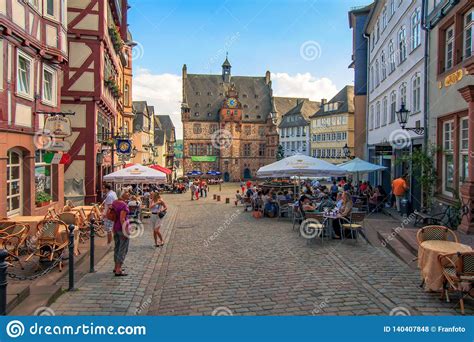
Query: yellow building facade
[332, 128]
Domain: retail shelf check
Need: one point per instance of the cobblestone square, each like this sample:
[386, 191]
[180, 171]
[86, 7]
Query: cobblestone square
[219, 260]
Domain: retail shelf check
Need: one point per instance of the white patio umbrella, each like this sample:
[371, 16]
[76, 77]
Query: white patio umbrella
[136, 174]
[357, 166]
[301, 166]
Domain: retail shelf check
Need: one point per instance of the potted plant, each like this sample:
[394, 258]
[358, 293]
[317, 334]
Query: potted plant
[42, 199]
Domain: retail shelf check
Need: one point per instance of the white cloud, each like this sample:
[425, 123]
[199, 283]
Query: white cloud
[162, 91]
[303, 85]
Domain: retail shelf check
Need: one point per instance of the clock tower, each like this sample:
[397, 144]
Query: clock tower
[230, 118]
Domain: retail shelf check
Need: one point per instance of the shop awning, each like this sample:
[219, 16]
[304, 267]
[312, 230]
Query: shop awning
[203, 158]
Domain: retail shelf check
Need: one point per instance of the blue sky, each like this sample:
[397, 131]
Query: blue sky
[306, 44]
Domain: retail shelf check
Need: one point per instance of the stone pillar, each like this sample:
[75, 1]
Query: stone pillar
[467, 189]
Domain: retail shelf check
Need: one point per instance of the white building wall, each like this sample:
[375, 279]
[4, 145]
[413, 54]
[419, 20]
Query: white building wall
[290, 140]
[404, 72]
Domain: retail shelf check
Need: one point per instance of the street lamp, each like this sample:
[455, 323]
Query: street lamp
[402, 117]
[347, 151]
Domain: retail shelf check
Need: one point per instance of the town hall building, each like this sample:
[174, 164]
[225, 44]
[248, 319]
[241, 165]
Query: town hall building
[228, 124]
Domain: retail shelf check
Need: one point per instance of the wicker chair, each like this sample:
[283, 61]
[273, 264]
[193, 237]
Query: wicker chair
[458, 270]
[283, 207]
[50, 243]
[355, 223]
[297, 216]
[321, 225]
[435, 233]
[12, 238]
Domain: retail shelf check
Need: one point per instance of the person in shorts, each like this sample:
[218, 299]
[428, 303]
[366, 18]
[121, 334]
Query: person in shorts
[110, 197]
[157, 207]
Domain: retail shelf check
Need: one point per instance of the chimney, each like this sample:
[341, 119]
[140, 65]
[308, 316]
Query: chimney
[324, 101]
[267, 77]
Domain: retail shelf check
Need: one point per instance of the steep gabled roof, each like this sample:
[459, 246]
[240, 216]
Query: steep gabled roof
[303, 109]
[205, 95]
[345, 98]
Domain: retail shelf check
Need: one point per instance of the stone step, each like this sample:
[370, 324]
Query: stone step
[16, 293]
[408, 238]
[396, 247]
[39, 297]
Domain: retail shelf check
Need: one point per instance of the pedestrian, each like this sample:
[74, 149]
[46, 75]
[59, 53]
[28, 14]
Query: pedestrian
[201, 187]
[158, 210]
[242, 186]
[197, 187]
[110, 197]
[192, 190]
[249, 184]
[399, 189]
[121, 231]
[204, 187]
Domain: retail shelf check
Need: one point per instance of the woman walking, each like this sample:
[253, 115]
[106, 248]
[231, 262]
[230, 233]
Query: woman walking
[158, 209]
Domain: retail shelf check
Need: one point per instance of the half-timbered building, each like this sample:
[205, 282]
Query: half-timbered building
[33, 51]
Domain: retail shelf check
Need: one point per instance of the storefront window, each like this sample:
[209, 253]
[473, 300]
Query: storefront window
[43, 175]
[14, 183]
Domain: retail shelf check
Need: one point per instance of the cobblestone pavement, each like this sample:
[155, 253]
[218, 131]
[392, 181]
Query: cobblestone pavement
[219, 260]
[223, 261]
[102, 293]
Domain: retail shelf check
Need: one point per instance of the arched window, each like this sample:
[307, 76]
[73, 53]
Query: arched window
[416, 29]
[393, 106]
[377, 73]
[383, 62]
[391, 56]
[14, 182]
[385, 111]
[403, 94]
[416, 93]
[126, 95]
[402, 45]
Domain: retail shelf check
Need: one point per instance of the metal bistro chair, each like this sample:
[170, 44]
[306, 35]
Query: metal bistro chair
[458, 270]
[321, 224]
[12, 238]
[355, 223]
[298, 216]
[435, 233]
[283, 207]
[50, 244]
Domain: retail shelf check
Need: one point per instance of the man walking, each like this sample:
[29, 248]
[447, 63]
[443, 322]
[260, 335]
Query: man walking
[399, 189]
[110, 197]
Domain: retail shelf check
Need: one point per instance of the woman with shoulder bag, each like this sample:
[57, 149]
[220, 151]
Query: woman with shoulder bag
[158, 211]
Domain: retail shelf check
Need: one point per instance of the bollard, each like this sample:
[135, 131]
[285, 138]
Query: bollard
[3, 282]
[218, 198]
[92, 249]
[227, 200]
[215, 196]
[71, 258]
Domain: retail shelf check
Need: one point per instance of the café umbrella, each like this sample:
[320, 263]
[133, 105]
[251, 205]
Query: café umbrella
[357, 166]
[136, 174]
[300, 166]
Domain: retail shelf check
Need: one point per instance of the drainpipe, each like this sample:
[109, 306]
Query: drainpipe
[367, 37]
[426, 28]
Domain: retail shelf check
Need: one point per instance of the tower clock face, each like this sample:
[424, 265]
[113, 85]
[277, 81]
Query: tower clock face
[231, 102]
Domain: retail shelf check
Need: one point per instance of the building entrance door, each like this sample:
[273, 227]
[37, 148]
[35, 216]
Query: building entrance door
[247, 174]
[226, 177]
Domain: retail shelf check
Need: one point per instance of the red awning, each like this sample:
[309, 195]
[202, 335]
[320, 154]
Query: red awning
[161, 168]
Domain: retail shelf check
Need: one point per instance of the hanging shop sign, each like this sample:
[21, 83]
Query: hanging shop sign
[124, 146]
[58, 125]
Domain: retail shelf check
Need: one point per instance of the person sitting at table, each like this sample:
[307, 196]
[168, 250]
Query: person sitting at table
[326, 202]
[289, 195]
[344, 212]
[375, 199]
[363, 187]
[281, 196]
[270, 208]
[305, 204]
[339, 201]
[238, 197]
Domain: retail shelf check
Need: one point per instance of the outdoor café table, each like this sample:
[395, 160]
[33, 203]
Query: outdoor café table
[431, 269]
[31, 221]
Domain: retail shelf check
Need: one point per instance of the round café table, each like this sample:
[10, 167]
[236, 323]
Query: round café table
[431, 269]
